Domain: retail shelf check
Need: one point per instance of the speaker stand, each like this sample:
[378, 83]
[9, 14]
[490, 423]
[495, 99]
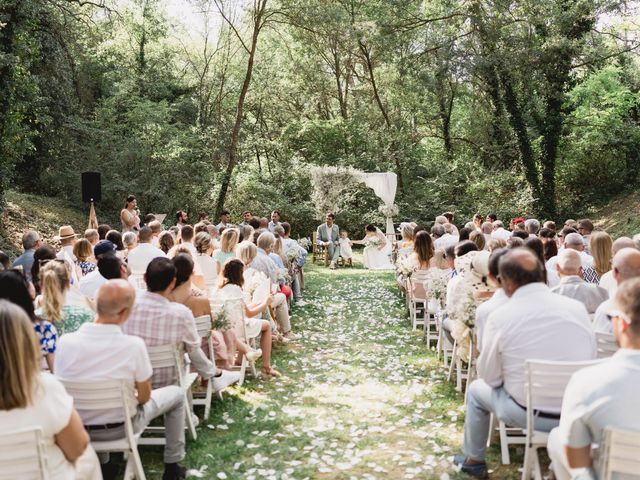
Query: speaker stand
[93, 220]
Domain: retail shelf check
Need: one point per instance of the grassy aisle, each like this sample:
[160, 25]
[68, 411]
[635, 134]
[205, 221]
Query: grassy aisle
[359, 398]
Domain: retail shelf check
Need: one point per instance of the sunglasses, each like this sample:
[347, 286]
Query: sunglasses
[618, 314]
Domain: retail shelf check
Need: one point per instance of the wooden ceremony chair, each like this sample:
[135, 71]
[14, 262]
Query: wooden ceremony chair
[103, 395]
[23, 455]
[319, 252]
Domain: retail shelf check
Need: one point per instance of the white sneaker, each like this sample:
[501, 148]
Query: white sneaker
[300, 303]
[225, 379]
[253, 355]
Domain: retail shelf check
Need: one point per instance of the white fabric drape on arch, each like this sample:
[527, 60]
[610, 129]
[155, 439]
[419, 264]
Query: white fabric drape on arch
[384, 185]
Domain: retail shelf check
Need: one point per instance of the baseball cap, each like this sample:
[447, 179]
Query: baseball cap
[102, 247]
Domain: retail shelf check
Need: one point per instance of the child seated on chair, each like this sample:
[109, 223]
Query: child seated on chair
[345, 245]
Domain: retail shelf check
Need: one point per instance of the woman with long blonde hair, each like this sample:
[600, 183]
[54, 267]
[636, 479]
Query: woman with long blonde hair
[30, 398]
[601, 248]
[55, 281]
[227, 250]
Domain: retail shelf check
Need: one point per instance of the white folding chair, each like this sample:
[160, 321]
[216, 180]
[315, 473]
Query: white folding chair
[508, 436]
[111, 394]
[169, 356]
[443, 346]
[203, 325]
[620, 454]
[545, 383]
[417, 308]
[23, 455]
[607, 345]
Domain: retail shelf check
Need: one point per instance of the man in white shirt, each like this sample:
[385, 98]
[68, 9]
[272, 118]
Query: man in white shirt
[182, 219]
[571, 285]
[607, 281]
[498, 299]
[625, 266]
[156, 230]
[225, 218]
[186, 235]
[604, 395]
[67, 238]
[140, 257]
[246, 218]
[499, 232]
[533, 324]
[109, 267]
[275, 221]
[532, 226]
[574, 242]
[441, 238]
[100, 351]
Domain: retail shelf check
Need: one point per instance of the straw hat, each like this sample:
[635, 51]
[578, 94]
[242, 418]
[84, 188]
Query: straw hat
[65, 232]
[478, 274]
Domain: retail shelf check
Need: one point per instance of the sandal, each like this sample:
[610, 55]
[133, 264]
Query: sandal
[271, 372]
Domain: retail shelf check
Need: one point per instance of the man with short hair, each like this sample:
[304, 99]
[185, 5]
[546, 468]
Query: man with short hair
[31, 241]
[275, 221]
[568, 268]
[140, 257]
[551, 225]
[532, 226]
[328, 234]
[182, 219]
[585, 228]
[246, 218]
[225, 218]
[447, 238]
[92, 235]
[266, 265]
[603, 395]
[156, 230]
[625, 266]
[160, 321]
[110, 267]
[100, 351]
[203, 217]
[498, 299]
[103, 229]
[607, 281]
[533, 324]
[499, 232]
[572, 241]
[486, 228]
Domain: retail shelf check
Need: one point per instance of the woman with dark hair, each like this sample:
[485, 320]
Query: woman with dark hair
[464, 234]
[45, 252]
[424, 252]
[550, 250]
[5, 264]
[537, 247]
[230, 290]
[130, 215]
[166, 241]
[15, 288]
[376, 249]
[115, 237]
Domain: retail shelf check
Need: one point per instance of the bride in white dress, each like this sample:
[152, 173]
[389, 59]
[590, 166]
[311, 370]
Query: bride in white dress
[377, 249]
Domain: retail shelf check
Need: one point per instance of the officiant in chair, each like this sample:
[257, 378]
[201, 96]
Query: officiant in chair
[328, 236]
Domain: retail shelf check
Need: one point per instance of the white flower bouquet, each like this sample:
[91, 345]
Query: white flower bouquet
[406, 265]
[373, 241]
[436, 283]
[283, 275]
[305, 243]
[389, 211]
[464, 315]
[293, 253]
[220, 320]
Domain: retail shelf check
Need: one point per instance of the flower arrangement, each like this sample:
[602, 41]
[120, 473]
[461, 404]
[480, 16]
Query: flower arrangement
[464, 314]
[220, 319]
[389, 210]
[406, 265]
[293, 253]
[436, 283]
[283, 275]
[373, 241]
[305, 243]
[328, 184]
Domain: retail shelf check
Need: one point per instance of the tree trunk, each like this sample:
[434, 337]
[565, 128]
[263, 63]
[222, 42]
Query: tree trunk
[235, 134]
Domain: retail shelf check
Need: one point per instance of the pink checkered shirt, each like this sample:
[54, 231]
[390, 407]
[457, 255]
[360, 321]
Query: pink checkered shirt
[158, 322]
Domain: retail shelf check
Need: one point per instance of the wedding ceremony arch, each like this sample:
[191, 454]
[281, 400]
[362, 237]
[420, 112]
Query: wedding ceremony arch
[329, 182]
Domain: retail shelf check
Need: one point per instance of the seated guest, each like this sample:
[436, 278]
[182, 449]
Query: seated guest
[498, 299]
[110, 267]
[478, 238]
[130, 241]
[92, 235]
[572, 241]
[40, 258]
[603, 395]
[30, 398]
[208, 265]
[606, 280]
[15, 288]
[187, 234]
[228, 242]
[601, 248]
[115, 237]
[626, 265]
[533, 324]
[288, 244]
[423, 252]
[230, 288]
[140, 257]
[487, 228]
[262, 263]
[550, 224]
[159, 321]
[585, 228]
[275, 221]
[573, 286]
[156, 229]
[166, 241]
[531, 226]
[246, 218]
[100, 351]
[499, 232]
[67, 238]
[31, 241]
[328, 234]
[83, 253]
[54, 304]
[102, 231]
[282, 262]
[225, 218]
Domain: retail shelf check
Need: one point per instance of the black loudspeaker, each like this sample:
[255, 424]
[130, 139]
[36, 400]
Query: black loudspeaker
[91, 191]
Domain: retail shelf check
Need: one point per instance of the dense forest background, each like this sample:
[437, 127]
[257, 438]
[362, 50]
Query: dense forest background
[521, 108]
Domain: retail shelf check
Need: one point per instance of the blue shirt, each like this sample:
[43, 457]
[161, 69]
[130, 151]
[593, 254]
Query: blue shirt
[26, 262]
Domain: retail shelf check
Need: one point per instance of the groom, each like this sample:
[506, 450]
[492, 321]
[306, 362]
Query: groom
[328, 234]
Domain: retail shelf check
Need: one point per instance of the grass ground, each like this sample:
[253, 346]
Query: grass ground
[360, 397]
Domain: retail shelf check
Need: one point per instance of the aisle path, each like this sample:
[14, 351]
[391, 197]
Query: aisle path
[359, 397]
